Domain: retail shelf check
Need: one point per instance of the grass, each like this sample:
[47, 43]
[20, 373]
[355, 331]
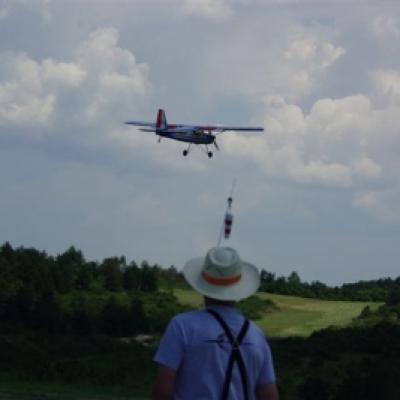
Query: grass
[10, 389]
[296, 316]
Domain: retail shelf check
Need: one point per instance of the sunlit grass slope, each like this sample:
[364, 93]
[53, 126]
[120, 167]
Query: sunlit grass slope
[296, 316]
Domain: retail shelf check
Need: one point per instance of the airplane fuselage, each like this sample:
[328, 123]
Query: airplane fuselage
[186, 135]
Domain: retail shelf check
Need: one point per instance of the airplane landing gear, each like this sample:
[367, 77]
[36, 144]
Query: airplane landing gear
[186, 151]
[204, 148]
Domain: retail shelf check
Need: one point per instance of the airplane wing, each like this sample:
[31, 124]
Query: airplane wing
[221, 128]
[141, 123]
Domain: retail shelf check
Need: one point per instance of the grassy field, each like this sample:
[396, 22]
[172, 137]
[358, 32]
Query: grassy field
[296, 316]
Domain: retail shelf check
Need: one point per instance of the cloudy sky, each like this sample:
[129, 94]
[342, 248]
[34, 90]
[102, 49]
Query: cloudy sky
[318, 192]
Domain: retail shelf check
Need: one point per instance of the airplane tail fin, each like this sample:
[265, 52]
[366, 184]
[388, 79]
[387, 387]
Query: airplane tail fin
[161, 122]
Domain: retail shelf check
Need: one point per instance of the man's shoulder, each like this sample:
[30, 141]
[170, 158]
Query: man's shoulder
[257, 331]
[256, 328]
[188, 322]
[188, 316]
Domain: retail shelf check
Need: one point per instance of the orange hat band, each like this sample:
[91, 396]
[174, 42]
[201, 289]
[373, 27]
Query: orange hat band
[220, 281]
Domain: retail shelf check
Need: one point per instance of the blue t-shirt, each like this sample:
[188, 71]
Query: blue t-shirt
[195, 345]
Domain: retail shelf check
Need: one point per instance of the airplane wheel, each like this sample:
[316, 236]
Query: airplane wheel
[210, 154]
[185, 153]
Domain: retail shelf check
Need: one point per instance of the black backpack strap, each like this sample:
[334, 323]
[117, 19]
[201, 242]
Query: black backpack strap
[235, 356]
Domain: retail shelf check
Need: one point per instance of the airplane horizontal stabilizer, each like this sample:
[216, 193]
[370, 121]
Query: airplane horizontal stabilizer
[140, 123]
[147, 130]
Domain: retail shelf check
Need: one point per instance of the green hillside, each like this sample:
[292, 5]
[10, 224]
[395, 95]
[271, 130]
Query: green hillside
[296, 316]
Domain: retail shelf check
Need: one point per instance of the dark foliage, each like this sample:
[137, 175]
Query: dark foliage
[340, 364]
[377, 290]
[254, 307]
[94, 361]
[64, 319]
[34, 288]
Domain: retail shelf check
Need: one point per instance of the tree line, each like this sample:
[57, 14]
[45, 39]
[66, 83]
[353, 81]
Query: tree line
[68, 295]
[354, 363]
[374, 290]
[27, 275]
[24, 268]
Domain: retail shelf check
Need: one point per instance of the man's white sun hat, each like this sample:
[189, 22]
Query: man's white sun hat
[222, 275]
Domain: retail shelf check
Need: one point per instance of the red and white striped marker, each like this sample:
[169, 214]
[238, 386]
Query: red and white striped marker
[228, 219]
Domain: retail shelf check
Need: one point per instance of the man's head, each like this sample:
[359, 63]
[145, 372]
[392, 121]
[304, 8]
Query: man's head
[222, 275]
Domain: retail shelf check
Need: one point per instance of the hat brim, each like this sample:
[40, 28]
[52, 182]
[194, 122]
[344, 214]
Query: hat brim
[248, 284]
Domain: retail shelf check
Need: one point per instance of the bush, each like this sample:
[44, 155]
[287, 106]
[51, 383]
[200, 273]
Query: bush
[254, 308]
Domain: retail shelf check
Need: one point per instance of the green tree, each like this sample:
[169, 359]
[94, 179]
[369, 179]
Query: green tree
[393, 296]
[7, 252]
[366, 312]
[47, 317]
[9, 282]
[67, 269]
[19, 311]
[148, 278]
[294, 284]
[294, 278]
[111, 270]
[82, 323]
[131, 277]
[139, 319]
[115, 320]
[86, 275]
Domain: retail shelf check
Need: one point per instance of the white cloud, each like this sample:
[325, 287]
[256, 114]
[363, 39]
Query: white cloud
[29, 89]
[214, 10]
[114, 76]
[62, 74]
[366, 168]
[317, 172]
[8, 7]
[24, 97]
[312, 51]
[386, 26]
[382, 205]
[386, 82]
[256, 63]
[307, 57]
[103, 78]
[340, 143]
[349, 142]
[30, 110]
[5, 9]
[345, 120]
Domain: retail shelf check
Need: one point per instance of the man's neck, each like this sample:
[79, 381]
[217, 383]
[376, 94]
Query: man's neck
[209, 302]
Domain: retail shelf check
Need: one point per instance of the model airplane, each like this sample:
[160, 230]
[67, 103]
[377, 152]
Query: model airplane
[192, 134]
